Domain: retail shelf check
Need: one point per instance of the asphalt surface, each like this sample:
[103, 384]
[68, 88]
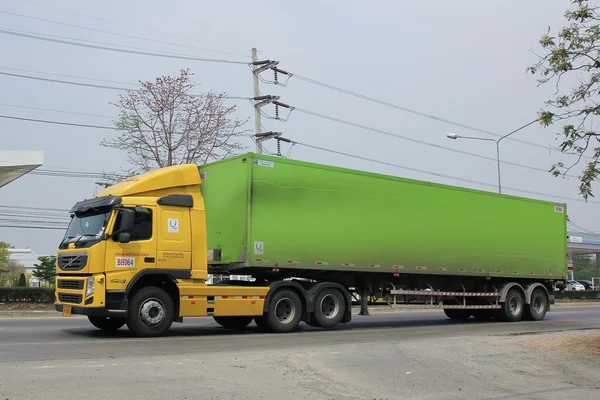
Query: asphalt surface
[369, 358]
[31, 339]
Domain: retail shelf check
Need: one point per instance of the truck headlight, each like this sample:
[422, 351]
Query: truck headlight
[90, 286]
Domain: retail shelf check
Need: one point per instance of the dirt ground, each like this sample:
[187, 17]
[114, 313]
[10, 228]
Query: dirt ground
[25, 307]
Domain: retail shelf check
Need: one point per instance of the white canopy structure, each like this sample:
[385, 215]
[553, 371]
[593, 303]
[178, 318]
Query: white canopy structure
[14, 164]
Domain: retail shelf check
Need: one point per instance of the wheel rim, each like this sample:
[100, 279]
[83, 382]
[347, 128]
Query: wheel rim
[330, 306]
[152, 312]
[514, 305]
[538, 304]
[285, 311]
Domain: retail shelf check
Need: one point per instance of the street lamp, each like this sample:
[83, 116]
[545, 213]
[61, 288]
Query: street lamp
[454, 136]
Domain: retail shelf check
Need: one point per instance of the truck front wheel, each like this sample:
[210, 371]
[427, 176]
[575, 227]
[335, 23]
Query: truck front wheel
[285, 311]
[107, 324]
[151, 312]
[235, 323]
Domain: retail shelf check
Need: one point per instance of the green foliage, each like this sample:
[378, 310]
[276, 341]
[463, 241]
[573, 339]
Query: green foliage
[9, 276]
[574, 54]
[4, 255]
[584, 267]
[22, 281]
[34, 295]
[45, 270]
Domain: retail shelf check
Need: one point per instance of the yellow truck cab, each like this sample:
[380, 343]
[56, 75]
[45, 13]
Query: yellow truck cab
[138, 249]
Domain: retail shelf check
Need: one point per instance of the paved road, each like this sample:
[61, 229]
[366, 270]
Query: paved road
[408, 355]
[72, 338]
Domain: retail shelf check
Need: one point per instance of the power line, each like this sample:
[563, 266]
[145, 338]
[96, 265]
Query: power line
[14, 226]
[438, 146]
[143, 52]
[56, 111]
[313, 114]
[103, 86]
[32, 208]
[66, 82]
[440, 175]
[118, 34]
[419, 113]
[133, 26]
[66, 76]
[58, 122]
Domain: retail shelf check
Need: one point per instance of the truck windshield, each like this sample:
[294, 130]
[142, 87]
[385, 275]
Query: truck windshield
[85, 228]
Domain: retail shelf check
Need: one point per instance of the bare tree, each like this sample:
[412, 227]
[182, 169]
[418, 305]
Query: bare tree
[164, 123]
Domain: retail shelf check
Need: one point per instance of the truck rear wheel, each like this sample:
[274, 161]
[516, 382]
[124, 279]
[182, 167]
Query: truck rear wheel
[107, 324]
[536, 310]
[235, 323]
[513, 307]
[151, 312]
[329, 308]
[285, 311]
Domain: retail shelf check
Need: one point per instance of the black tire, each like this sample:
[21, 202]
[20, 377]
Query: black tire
[483, 315]
[107, 324]
[151, 312]
[330, 307]
[513, 307]
[537, 309]
[285, 311]
[235, 323]
[457, 314]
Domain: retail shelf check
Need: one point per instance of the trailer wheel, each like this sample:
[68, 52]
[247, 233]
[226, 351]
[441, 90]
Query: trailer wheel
[329, 308]
[285, 311]
[235, 323]
[536, 310]
[457, 314]
[151, 312]
[107, 324]
[513, 307]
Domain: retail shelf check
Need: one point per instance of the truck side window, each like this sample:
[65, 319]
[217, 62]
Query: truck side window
[142, 228]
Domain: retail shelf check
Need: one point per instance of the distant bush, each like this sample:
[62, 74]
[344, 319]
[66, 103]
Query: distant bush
[29, 295]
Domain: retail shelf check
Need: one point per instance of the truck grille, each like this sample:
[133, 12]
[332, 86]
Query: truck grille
[69, 298]
[72, 262]
[70, 284]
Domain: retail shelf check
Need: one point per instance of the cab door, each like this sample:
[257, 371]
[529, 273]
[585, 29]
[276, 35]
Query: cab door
[124, 260]
[174, 239]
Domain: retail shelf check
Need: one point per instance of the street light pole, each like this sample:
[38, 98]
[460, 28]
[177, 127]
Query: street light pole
[497, 141]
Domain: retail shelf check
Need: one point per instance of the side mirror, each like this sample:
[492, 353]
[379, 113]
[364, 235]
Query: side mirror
[127, 220]
[124, 237]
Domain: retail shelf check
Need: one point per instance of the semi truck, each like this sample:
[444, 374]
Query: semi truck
[310, 236]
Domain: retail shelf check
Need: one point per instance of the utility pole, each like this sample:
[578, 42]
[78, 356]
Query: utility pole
[257, 120]
[261, 101]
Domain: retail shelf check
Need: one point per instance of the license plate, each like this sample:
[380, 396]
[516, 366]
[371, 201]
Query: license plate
[67, 311]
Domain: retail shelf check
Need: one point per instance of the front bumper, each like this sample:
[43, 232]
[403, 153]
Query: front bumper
[92, 311]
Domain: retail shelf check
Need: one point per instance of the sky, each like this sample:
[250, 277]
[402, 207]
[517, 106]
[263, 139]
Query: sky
[463, 61]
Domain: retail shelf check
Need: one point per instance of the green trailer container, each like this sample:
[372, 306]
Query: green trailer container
[273, 212]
